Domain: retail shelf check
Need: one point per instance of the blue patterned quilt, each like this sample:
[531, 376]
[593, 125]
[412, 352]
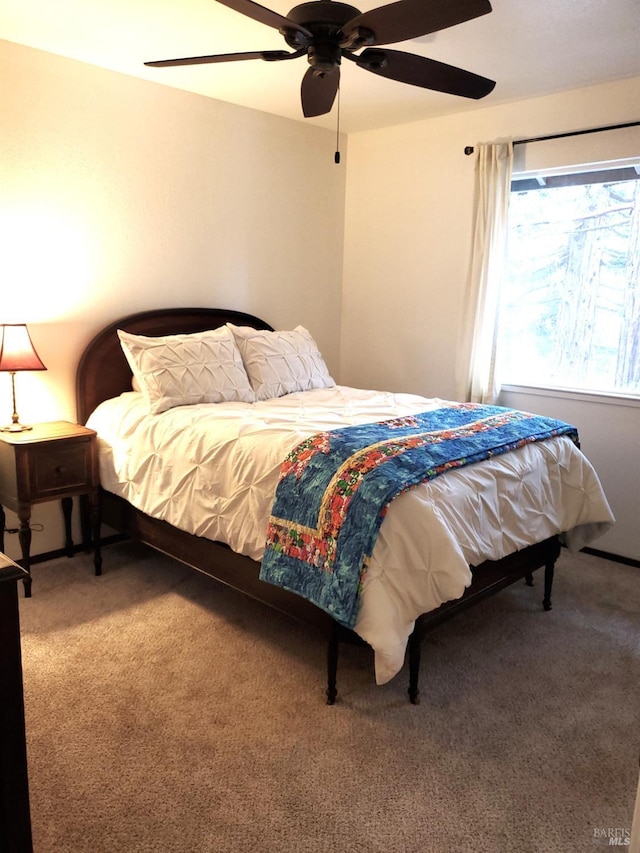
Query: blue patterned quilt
[334, 489]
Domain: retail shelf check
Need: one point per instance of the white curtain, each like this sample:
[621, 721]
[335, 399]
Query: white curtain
[477, 379]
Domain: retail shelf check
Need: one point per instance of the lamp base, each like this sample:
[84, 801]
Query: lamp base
[15, 428]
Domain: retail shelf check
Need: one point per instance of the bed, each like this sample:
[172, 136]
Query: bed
[177, 521]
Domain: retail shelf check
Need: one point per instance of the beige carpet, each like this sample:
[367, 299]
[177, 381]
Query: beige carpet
[166, 713]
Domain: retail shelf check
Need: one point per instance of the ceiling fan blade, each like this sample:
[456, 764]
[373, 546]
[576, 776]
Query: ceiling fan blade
[268, 55]
[265, 16]
[410, 19]
[319, 92]
[427, 73]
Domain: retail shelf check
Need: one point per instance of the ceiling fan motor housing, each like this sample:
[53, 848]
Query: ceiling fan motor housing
[325, 20]
[323, 13]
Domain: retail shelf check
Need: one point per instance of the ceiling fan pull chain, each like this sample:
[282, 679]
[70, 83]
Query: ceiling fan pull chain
[336, 156]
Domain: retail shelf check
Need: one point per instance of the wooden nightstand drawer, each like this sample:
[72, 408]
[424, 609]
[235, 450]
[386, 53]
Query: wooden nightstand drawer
[59, 468]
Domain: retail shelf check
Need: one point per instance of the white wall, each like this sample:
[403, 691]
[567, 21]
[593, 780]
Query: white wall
[609, 433]
[407, 244]
[118, 195]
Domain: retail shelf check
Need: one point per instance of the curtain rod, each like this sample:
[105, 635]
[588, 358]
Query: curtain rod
[469, 149]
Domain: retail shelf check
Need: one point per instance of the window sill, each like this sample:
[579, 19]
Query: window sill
[601, 397]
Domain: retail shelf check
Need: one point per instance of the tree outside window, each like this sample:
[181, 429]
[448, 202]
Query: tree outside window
[570, 313]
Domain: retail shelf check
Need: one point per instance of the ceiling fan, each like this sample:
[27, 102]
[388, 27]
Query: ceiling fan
[327, 30]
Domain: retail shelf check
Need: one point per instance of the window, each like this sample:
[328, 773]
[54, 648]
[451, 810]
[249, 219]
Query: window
[570, 312]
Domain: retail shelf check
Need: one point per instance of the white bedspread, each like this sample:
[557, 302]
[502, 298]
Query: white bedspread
[212, 470]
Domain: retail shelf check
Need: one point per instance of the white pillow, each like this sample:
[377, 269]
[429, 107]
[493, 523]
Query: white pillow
[279, 363]
[181, 370]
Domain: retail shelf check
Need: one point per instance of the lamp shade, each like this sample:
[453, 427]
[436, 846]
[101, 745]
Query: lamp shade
[16, 350]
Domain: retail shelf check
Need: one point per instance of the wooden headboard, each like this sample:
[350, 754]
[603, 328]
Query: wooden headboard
[103, 370]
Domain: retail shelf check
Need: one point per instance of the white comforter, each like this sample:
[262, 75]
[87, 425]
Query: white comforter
[212, 470]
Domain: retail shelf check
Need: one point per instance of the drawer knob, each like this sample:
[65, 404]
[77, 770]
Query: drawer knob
[61, 469]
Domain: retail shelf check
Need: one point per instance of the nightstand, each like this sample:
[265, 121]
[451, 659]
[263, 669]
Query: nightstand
[51, 461]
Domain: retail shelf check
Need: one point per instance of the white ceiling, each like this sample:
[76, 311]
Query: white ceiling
[530, 47]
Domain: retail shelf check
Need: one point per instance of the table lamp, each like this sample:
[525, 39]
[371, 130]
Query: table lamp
[17, 353]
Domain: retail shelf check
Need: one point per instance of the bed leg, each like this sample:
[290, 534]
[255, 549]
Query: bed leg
[332, 665]
[414, 667]
[548, 583]
[528, 578]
